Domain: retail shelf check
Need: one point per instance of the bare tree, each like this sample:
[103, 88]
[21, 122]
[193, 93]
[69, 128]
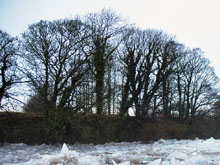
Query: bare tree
[200, 82]
[55, 64]
[146, 62]
[9, 69]
[170, 56]
[103, 30]
[195, 82]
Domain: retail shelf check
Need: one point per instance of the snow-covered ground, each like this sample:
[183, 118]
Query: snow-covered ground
[162, 152]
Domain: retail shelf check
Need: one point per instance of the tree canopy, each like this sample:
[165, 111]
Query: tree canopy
[99, 64]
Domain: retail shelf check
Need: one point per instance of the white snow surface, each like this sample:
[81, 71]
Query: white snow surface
[162, 152]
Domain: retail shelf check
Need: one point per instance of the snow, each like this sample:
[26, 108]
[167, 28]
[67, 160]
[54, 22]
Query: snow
[162, 152]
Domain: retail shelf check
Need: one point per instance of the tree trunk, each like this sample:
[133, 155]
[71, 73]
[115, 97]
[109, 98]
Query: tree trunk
[124, 103]
[99, 92]
[165, 99]
[109, 90]
[46, 85]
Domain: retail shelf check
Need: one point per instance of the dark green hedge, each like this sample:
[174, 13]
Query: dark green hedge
[31, 128]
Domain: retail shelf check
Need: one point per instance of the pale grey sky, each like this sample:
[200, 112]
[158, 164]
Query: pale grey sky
[196, 23]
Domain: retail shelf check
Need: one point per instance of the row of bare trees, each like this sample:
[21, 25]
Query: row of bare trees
[98, 64]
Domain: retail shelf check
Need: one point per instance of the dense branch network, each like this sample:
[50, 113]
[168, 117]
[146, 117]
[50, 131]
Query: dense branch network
[97, 64]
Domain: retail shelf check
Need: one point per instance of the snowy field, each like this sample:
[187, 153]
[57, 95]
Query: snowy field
[162, 152]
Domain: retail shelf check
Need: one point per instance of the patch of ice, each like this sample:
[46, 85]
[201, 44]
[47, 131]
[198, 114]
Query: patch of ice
[162, 152]
[90, 160]
[197, 160]
[68, 153]
[155, 162]
[65, 149]
[123, 163]
[177, 155]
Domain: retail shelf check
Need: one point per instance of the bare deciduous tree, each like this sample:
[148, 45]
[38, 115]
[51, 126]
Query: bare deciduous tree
[9, 70]
[146, 62]
[103, 30]
[195, 84]
[55, 64]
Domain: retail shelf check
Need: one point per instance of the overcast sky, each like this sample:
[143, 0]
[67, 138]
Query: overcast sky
[196, 23]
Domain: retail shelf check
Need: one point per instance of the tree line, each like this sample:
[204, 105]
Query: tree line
[99, 64]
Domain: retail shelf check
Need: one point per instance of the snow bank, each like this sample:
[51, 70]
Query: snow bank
[162, 152]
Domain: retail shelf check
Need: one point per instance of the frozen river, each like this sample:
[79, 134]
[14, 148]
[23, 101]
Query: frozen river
[162, 152]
